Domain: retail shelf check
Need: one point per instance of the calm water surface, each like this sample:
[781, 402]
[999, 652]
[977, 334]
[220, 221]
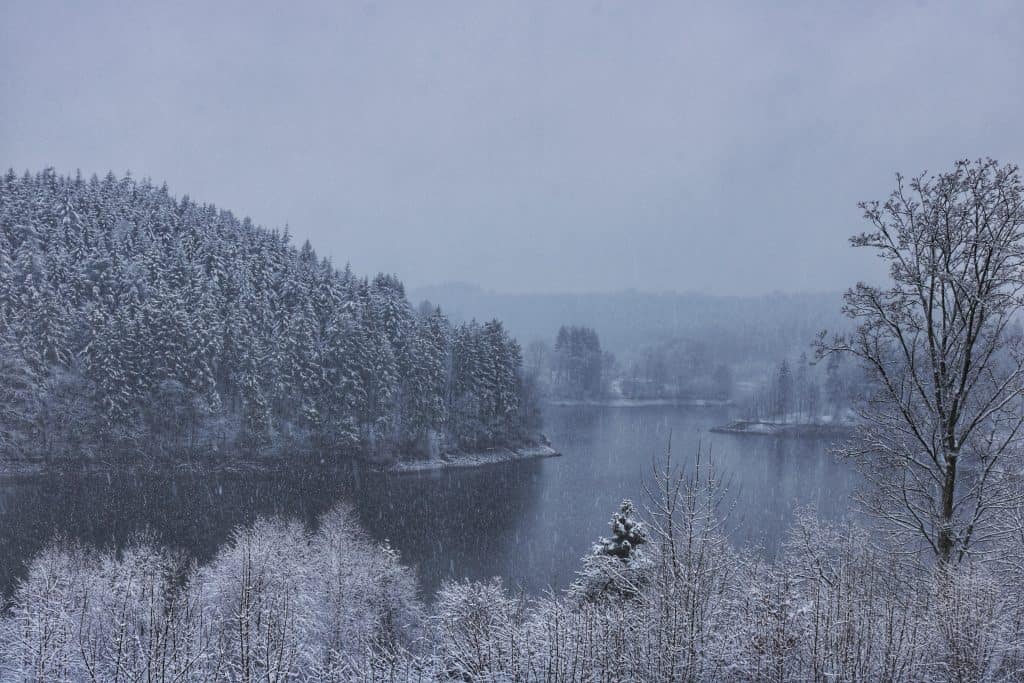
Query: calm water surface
[527, 522]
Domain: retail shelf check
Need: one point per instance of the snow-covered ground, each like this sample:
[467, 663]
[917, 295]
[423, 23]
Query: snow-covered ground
[773, 428]
[488, 457]
[642, 402]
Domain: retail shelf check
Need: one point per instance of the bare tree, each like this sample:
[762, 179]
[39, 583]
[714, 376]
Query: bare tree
[944, 411]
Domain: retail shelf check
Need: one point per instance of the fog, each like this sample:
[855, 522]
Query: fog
[525, 147]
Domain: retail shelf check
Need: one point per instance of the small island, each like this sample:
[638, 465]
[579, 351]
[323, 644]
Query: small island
[805, 399]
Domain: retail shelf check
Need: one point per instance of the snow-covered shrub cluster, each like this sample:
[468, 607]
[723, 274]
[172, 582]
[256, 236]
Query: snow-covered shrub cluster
[280, 603]
[131, 320]
[276, 603]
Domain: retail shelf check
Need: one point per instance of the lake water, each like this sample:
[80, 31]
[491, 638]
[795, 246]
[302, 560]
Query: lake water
[528, 522]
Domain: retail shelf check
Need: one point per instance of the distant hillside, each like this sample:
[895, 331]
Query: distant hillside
[740, 329]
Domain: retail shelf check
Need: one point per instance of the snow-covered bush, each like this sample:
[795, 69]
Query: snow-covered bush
[277, 603]
[37, 639]
[260, 596]
[84, 615]
[476, 629]
[368, 598]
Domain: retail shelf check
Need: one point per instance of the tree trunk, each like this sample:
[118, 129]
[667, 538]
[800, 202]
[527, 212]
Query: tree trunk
[945, 537]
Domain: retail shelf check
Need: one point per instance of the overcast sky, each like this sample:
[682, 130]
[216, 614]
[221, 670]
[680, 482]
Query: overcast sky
[526, 146]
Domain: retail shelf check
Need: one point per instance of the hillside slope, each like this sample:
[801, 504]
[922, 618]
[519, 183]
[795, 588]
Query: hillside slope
[132, 322]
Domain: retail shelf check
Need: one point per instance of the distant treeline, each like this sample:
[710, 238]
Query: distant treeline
[653, 345]
[733, 330]
[577, 369]
[578, 364]
[135, 322]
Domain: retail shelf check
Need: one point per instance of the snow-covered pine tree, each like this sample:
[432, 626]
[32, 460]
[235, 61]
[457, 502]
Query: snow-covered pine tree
[615, 567]
[423, 392]
[627, 535]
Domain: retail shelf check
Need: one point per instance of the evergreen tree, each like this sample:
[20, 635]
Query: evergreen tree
[615, 567]
[579, 363]
[783, 391]
[19, 393]
[627, 535]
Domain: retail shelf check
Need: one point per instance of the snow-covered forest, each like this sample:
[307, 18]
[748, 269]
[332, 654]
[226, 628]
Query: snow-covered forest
[136, 323]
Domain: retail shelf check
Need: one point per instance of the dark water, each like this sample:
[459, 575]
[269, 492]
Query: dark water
[528, 522]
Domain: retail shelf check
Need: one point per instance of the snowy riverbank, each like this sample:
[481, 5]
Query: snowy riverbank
[797, 429]
[24, 469]
[475, 459]
[644, 402]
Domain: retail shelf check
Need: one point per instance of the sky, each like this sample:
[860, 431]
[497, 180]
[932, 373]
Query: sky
[526, 146]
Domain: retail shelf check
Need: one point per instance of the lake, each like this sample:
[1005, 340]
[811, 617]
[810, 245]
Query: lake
[528, 522]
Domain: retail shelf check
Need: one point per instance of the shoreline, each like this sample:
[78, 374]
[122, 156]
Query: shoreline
[643, 402]
[795, 430]
[17, 470]
[461, 460]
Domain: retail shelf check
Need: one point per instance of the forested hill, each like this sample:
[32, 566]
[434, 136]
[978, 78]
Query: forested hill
[136, 323]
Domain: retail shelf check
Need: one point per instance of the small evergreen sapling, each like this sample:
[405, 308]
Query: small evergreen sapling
[628, 535]
[615, 568]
